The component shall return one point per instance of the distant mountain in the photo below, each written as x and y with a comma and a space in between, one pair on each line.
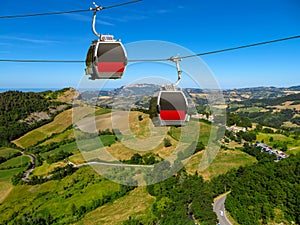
130, 96
295, 88
138, 95
136, 89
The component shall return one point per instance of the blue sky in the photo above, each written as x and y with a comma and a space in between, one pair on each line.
197, 25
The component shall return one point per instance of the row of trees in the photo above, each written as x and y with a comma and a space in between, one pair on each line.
146, 159
61, 155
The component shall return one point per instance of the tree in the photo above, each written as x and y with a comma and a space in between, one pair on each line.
200, 146
136, 159
132, 221
73, 209
167, 142
163, 205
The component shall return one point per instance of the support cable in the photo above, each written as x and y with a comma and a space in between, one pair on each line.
157, 60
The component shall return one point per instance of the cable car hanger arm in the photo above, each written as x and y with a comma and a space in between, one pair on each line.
96, 9
176, 60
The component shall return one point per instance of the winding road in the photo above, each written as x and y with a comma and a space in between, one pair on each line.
26, 174
219, 209
32, 160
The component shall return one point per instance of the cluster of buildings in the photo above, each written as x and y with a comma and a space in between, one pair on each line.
265, 148
236, 129
210, 118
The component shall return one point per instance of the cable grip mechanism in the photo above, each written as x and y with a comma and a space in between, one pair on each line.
176, 60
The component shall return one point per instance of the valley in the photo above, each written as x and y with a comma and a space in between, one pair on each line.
59, 191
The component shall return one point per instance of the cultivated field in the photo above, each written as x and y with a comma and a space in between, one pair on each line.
15, 162
45, 169
7, 152
137, 204
68, 134
61, 122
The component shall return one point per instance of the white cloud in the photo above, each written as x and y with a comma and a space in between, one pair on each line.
31, 40
162, 11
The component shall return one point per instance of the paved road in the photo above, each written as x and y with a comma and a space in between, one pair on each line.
110, 164
219, 209
26, 174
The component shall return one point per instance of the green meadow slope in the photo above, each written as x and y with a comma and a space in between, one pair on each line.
61, 189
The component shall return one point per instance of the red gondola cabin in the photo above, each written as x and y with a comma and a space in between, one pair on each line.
169, 108
106, 59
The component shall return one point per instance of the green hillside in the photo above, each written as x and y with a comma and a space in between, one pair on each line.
61, 189
21, 112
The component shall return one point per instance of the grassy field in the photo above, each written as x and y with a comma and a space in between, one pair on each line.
71, 147
204, 132
6, 175
137, 127
100, 111
137, 205
224, 161
107, 140
60, 123
15, 162
251, 109
233, 145
118, 151
77, 158
46, 168
57, 197
5, 189
289, 124
124, 121
68, 134
6, 152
